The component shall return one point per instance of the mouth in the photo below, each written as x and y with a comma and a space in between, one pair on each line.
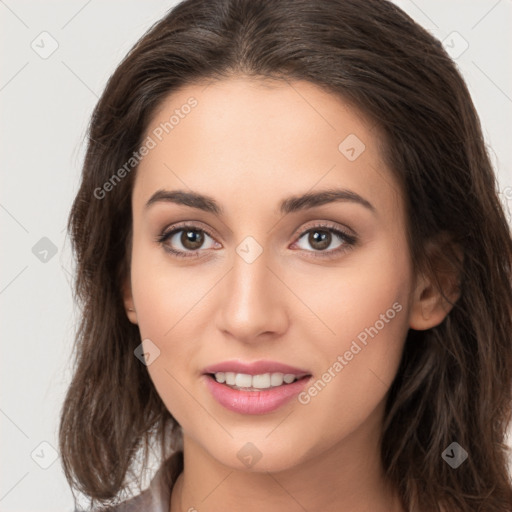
254, 388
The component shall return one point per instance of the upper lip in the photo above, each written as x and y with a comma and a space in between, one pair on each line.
255, 368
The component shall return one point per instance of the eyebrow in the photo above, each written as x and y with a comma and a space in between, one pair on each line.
288, 205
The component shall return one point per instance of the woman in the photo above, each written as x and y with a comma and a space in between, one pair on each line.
294, 270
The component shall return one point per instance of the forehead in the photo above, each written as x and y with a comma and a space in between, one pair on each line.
258, 140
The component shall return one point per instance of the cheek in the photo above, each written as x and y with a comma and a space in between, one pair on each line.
367, 311
164, 299
353, 296
163, 293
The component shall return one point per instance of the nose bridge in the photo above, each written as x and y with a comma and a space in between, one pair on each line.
251, 304
250, 274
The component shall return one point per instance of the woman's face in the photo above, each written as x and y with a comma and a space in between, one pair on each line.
322, 285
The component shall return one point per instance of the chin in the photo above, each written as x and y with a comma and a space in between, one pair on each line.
259, 455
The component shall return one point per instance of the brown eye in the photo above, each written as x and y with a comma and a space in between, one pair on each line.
192, 239
185, 240
319, 239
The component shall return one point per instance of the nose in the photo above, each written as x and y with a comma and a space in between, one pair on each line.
253, 301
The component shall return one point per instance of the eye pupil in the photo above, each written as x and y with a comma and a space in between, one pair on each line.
319, 242
192, 239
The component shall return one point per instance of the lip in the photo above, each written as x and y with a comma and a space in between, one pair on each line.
254, 368
254, 402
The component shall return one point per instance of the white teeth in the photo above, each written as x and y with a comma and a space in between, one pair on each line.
243, 380
261, 381
220, 377
276, 379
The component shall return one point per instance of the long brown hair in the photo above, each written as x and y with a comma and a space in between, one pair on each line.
454, 380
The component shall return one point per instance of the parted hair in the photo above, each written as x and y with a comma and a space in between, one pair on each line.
454, 380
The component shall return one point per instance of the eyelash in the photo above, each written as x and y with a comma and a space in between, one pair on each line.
349, 240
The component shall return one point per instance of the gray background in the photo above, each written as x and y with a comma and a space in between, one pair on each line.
45, 107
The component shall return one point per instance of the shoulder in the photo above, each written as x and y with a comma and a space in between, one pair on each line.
157, 497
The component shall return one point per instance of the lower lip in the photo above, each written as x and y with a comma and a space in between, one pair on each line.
254, 402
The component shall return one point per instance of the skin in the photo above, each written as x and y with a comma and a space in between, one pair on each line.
249, 144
